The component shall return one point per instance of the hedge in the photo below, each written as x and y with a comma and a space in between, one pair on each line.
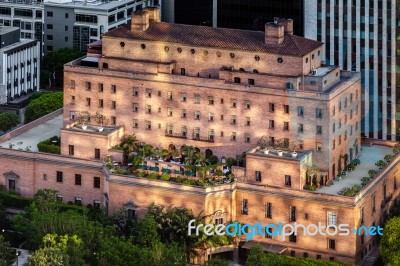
14, 201
42, 105
48, 146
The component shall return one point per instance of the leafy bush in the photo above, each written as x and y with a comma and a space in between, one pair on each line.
201, 183
15, 201
140, 174
153, 176
356, 161
380, 163
349, 193
8, 121
122, 172
230, 161
365, 178
43, 105
165, 177
372, 173
213, 159
310, 187
356, 188
179, 179
388, 157
189, 182
48, 146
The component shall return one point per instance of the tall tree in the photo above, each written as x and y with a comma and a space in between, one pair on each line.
390, 243
8, 121
7, 254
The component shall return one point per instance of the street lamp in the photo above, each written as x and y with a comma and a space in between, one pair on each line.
17, 253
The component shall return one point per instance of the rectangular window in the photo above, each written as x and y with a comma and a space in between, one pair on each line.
183, 97
233, 119
362, 215
286, 109
333, 144
135, 92
72, 84
251, 81
233, 136
135, 107
88, 85
113, 88
96, 182
135, 123
292, 238
148, 125
49, 13
159, 93
247, 104
87, 101
245, 207
272, 107
196, 98
288, 180
318, 146
71, 149
331, 218
49, 26
59, 177
197, 115
210, 117
233, 103
319, 130
286, 126
113, 104
78, 201
318, 113
236, 80
97, 154
96, 204
271, 124
300, 128
268, 210
148, 93
101, 87
113, 120
292, 215
300, 110
183, 113
331, 243
248, 121
183, 71
258, 176
169, 95
148, 110
247, 137
210, 100
78, 180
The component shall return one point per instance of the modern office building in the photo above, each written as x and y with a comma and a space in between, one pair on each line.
24, 14
236, 14
19, 65
362, 36
75, 24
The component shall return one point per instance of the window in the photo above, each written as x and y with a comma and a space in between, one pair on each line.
211, 135
236, 80
196, 98
210, 117
247, 104
72, 84
72, 115
305, 255
292, 214
59, 177
293, 253
96, 204
318, 130
49, 26
49, 13
197, 133
136, 92
222, 101
71, 149
233, 103
113, 88
318, 146
96, 182
286, 109
169, 111
210, 100
271, 124
362, 215
135, 107
268, 232
331, 218
292, 238
101, 87
183, 71
222, 117
340, 106
86, 18
78, 201
245, 207
300, 110
271, 107
250, 81
288, 181
247, 121
233, 119
318, 257
87, 101
113, 104
159, 109
268, 210
233, 136
169, 95
148, 125
197, 115
66, 15
148, 93
113, 120
97, 154
183, 97
59, 198
247, 137
331, 244
148, 110
258, 176
183, 113
318, 113
78, 180
300, 128
286, 126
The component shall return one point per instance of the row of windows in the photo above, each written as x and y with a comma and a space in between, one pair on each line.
78, 201
78, 179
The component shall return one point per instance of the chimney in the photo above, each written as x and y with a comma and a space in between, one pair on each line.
288, 25
154, 13
274, 33
140, 20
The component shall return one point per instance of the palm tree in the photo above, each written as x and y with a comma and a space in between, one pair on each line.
129, 145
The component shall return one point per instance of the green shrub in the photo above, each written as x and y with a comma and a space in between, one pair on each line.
122, 172
48, 146
213, 159
140, 174
179, 179
8, 121
14, 201
201, 183
388, 157
372, 173
189, 182
356, 188
165, 177
349, 193
356, 161
153, 176
311, 187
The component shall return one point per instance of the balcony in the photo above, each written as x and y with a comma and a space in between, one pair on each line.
176, 135
205, 139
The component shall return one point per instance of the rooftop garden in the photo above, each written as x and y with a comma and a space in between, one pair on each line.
187, 166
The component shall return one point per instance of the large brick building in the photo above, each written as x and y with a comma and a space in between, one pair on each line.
218, 89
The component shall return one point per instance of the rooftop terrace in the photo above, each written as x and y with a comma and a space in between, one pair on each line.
369, 156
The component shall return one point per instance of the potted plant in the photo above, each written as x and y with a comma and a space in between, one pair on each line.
380, 164
264, 144
293, 147
83, 118
280, 145
101, 120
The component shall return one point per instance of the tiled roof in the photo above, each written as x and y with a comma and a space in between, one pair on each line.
216, 37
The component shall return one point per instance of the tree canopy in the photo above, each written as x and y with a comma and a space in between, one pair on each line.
8, 121
390, 243
42, 105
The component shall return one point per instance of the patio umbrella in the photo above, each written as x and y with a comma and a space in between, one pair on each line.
166, 170
154, 169
143, 167
190, 173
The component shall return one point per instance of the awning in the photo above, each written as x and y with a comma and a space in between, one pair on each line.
178, 172
190, 173
166, 170
143, 166
154, 169
274, 248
